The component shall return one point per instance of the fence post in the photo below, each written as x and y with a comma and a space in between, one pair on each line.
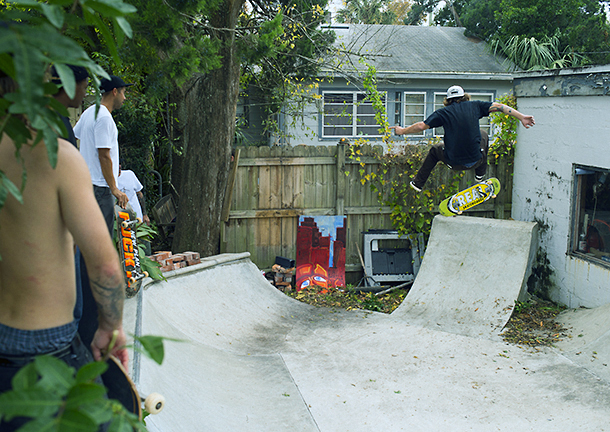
501, 198
340, 192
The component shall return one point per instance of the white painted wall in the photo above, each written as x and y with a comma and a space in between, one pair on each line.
569, 130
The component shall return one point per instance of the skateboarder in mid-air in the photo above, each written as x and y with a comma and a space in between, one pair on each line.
465, 145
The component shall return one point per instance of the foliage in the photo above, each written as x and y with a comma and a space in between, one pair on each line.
366, 12
530, 54
410, 211
31, 39
349, 298
280, 76
58, 398
505, 131
574, 31
533, 324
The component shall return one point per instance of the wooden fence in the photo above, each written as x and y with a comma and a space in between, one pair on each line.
270, 187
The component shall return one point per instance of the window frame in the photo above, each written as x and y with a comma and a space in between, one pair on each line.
404, 114
486, 126
580, 215
355, 116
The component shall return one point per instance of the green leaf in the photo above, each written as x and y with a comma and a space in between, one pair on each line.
92, 19
120, 424
75, 421
125, 26
34, 402
111, 8
54, 14
91, 371
84, 393
10, 187
67, 79
153, 347
55, 374
25, 378
99, 411
40, 424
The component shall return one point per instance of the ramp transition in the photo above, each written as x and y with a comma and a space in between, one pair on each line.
255, 360
473, 271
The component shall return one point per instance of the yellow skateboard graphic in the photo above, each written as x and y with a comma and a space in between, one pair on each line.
470, 197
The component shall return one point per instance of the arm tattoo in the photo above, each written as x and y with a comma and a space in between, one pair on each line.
109, 298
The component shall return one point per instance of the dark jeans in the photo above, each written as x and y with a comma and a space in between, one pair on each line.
105, 199
437, 154
75, 355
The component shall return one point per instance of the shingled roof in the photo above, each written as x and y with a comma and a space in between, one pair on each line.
397, 50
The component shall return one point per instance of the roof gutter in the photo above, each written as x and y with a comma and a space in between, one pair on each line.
433, 75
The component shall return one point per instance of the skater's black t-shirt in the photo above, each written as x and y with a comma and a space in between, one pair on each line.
462, 132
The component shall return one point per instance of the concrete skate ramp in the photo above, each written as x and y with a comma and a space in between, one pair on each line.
473, 271
588, 341
256, 360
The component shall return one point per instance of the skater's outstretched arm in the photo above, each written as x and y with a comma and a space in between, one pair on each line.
526, 120
414, 128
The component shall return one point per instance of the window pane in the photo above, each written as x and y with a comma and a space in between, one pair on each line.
590, 231
346, 110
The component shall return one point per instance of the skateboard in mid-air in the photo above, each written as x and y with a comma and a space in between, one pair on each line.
121, 388
127, 222
470, 197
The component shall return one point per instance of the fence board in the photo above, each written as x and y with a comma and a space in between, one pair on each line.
274, 186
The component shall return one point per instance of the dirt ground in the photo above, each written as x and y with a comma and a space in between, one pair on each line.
532, 323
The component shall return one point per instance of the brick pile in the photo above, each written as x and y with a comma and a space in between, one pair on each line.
170, 262
281, 277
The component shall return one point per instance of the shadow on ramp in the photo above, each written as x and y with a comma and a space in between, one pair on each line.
588, 343
473, 271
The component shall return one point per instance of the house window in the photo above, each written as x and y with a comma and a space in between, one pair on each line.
590, 230
348, 114
414, 109
483, 122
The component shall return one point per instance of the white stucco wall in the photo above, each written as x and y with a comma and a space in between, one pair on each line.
569, 130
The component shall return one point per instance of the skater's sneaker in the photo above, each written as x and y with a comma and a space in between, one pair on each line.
479, 178
418, 189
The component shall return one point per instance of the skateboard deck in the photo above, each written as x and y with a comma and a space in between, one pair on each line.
470, 197
121, 387
128, 248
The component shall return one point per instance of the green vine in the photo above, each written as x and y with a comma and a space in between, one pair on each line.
411, 212
505, 136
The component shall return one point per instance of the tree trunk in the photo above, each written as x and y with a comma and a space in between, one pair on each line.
210, 101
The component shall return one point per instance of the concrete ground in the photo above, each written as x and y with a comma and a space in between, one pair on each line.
253, 359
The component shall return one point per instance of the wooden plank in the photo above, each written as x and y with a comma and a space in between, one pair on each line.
340, 183
230, 186
294, 212
287, 161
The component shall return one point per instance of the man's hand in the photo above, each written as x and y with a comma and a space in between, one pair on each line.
146, 219
121, 197
101, 341
398, 130
528, 121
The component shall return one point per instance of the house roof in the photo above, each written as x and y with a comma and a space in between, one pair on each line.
399, 50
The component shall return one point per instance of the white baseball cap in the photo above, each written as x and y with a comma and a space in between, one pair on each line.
455, 91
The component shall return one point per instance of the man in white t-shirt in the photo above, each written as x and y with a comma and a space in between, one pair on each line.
128, 182
99, 146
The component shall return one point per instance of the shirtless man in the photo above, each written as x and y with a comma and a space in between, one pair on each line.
37, 278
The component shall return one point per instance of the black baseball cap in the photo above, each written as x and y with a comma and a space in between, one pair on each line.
112, 83
80, 73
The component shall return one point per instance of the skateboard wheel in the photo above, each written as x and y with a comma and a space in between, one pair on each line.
145, 274
132, 280
139, 220
460, 212
124, 224
154, 403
